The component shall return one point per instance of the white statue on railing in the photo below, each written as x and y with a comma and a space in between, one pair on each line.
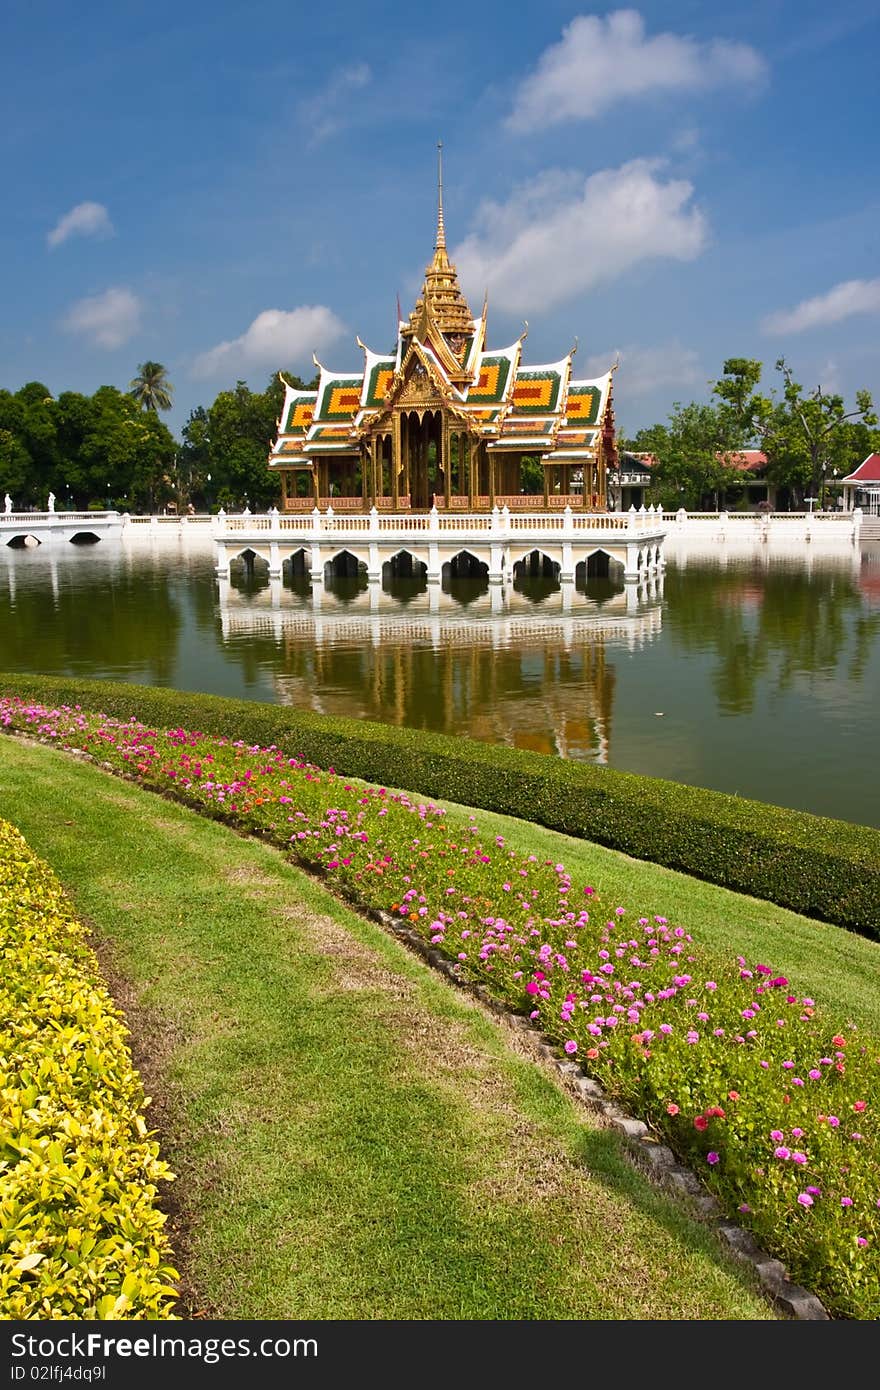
51, 503
7, 504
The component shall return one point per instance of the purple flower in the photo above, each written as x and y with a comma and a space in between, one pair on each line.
571, 1047
846, 1201
782, 1152
712, 1157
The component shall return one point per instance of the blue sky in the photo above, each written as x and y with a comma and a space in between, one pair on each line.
227, 187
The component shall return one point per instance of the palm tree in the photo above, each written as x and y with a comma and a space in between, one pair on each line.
151, 388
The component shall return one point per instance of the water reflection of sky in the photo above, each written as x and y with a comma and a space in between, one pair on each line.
757, 675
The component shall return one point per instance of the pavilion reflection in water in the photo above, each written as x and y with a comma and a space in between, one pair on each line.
500, 668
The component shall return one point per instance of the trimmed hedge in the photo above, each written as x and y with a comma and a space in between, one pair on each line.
81, 1235
823, 868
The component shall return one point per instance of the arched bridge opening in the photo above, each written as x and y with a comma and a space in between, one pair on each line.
464, 577
536, 575
599, 576
404, 575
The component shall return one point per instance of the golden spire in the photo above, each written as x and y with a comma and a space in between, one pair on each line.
440, 244
441, 311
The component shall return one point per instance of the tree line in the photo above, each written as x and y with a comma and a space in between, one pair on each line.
111, 449
809, 437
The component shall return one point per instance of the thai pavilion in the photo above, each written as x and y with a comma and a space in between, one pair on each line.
444, 421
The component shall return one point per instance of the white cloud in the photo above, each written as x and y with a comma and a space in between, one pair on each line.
86, 219
848, 298
276, 338
329, 110
108, 319
646, 369
598, 62
560, 235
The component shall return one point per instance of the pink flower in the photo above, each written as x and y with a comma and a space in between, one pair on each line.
712, 1157
782, 1152
571, 1047
777, 1136
805, 1199
700, 1122
846, 1201
672, 1109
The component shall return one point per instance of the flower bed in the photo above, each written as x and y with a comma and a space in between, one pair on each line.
81, 1236
826, 869
746, 1079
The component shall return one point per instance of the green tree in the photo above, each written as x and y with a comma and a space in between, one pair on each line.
151, 388
692, 454
814, 428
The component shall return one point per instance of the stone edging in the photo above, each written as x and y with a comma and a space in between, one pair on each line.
656, 1160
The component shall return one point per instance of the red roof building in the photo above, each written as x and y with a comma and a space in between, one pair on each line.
862, 487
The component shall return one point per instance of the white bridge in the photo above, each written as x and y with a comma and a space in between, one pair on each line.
322, 544
35, 528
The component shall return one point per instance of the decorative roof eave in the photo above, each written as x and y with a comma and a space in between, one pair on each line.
513, 354
351, 382
317, 447
569, 455
292, 461
521, 444
601, 385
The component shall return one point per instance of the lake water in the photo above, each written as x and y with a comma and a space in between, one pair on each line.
758, 676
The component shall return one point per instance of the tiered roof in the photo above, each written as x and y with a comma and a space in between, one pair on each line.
512, 406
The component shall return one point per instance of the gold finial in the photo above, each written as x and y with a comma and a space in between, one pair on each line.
441, 230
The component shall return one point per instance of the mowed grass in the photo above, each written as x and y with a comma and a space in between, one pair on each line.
353, 1139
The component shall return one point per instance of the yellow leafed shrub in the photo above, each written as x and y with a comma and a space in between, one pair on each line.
81, 1235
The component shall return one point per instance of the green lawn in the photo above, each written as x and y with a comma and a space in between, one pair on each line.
353, 1138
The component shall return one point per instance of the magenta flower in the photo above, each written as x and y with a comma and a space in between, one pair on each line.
777, 1136
712, 1157
571, 1047
782, 1152
805, 1199
846, 1201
